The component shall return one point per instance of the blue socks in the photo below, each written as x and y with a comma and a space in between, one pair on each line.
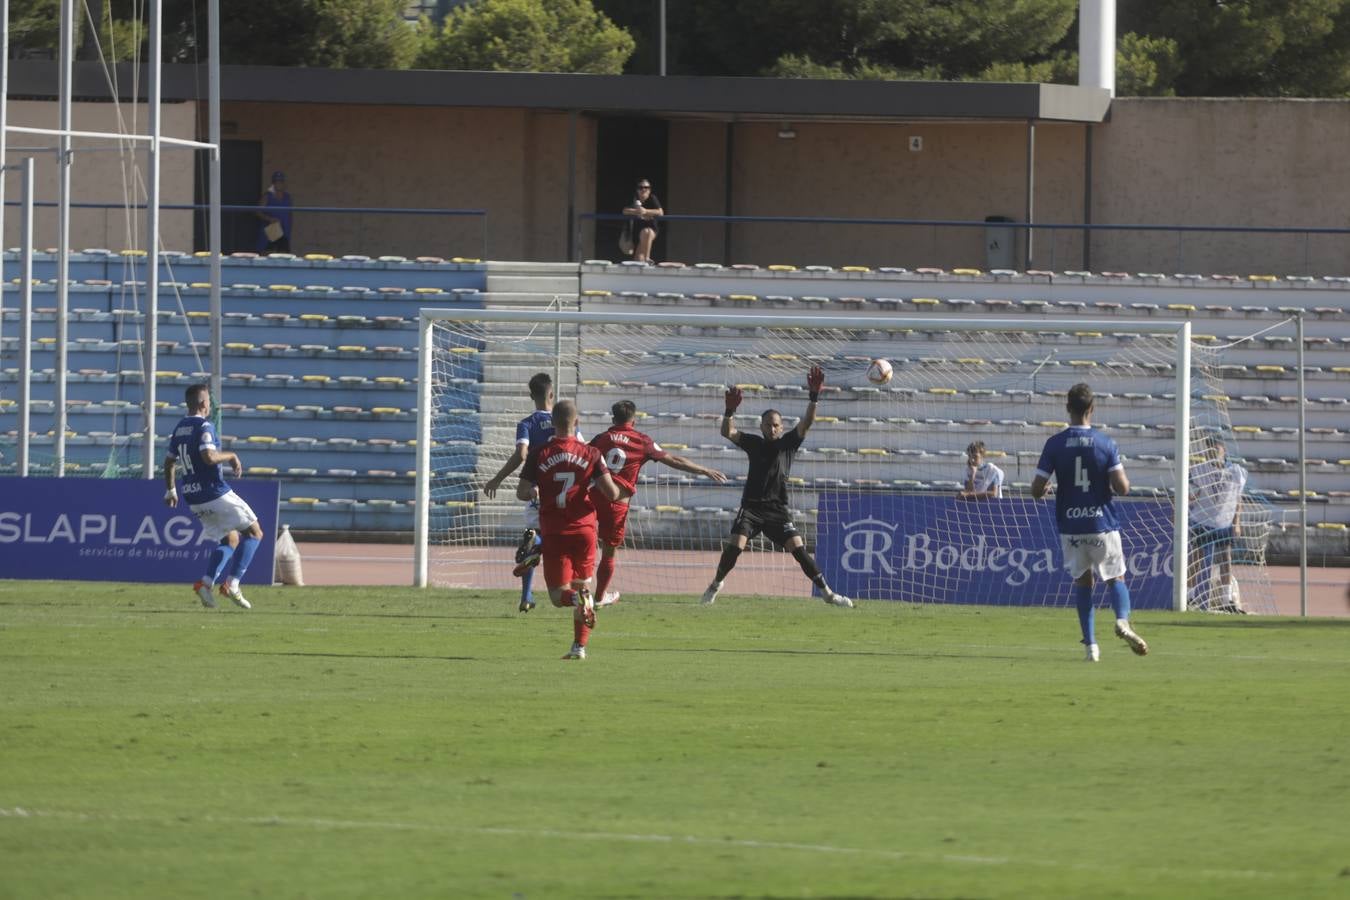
1119, 595
527, 579
215, 566
1082, 597
243, 556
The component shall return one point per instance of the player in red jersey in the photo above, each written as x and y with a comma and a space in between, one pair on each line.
563, 470
625, 450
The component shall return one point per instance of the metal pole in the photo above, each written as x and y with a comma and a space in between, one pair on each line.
25, 316
728, 189
663, 38
573, 246
151, 335
213, 216
421, 514
4, 138
1302, 476
1031, 189
1181, 526
1087, 199
64, 163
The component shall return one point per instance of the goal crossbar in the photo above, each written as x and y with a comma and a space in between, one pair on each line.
1179, 330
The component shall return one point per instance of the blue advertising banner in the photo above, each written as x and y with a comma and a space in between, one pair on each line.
116, 529
878, 546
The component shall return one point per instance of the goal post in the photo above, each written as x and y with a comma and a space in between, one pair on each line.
996, 378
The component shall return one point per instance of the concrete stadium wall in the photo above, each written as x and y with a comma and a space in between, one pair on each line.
511, 162
100, 175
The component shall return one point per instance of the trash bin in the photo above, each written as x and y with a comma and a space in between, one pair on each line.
1000, 243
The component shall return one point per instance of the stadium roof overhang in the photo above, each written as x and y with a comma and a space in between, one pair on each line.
675, 96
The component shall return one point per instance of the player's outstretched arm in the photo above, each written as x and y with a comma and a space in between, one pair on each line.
608, 487
524, 489
512, 463
815, 380
733, 402
227, 457
1120, 482
684, 465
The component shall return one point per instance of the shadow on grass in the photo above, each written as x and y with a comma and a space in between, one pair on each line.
915, 654
336, 614
350, 655
1281, 623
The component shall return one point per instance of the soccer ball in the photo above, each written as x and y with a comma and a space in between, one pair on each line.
879, 372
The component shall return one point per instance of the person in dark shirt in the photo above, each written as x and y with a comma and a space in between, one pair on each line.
644, 211
275, 213
764, 503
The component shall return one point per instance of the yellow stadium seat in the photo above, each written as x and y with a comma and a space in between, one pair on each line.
261, 439
316, 379
271, 407
390, 379
282, 288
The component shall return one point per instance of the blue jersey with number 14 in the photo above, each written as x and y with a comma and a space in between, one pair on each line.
1081, 460
202, 482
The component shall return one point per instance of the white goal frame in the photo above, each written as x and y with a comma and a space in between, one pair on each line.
1180, 330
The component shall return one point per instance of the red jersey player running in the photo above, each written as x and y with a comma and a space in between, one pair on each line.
624, 450
564, 469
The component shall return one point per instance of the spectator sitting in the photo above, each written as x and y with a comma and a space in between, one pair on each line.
984, 480
643, 212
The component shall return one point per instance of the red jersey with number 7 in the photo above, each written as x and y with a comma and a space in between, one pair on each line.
563, 469
624, 450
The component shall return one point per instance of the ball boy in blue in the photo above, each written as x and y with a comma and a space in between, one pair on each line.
1088, 472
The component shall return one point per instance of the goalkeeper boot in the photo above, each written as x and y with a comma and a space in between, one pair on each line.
526, 604
584, 611
838, 600
529, 562
1126, 634
231, 589
577, 652
710, 595
1094, 653
203, 591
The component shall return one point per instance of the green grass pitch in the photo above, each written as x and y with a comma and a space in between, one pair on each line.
378, 742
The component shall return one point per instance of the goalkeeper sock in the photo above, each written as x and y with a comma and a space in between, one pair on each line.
243, 555
808, 564
215, 566
728, 562
1082, 597
1119, 595
604, 574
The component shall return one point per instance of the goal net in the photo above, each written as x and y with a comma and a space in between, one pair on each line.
876, 489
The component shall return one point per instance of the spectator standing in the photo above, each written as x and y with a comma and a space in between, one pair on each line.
274, 234
641, 225
1216, 486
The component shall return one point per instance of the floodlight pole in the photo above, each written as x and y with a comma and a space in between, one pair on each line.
213, 223
1302, 475
151, 334
4, 138
25, 316
421, 514
64, 161
1181, 526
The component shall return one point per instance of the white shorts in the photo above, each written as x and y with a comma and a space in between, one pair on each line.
532, 515
224, 514
1099, 552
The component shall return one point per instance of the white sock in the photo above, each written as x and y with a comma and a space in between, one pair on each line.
1123, 623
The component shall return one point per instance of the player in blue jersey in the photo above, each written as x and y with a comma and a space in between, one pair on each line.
532, 432
1087, 469
223, 513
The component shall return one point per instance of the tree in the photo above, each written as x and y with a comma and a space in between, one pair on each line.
1297, 48
529, 36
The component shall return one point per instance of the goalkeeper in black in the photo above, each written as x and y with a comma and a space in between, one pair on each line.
764, 504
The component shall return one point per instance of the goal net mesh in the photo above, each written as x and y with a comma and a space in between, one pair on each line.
875, 489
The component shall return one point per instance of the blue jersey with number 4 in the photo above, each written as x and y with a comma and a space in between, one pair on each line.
202, 482
1081, 460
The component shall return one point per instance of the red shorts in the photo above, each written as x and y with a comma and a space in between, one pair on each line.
613, 519
568, 558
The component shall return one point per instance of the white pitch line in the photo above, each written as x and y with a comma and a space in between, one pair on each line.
18, 812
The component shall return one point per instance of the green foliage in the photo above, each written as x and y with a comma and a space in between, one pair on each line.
390, 742
529, 36
1147, 66
1297, 48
